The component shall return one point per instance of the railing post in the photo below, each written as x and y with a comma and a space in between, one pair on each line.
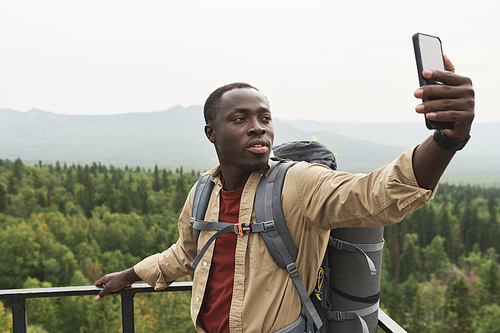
128, 313
19, 323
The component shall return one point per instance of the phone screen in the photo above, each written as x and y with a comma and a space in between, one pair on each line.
431, 53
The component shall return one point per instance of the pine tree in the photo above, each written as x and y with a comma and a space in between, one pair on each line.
68, 183
18, 169
41, 199
156, 180
164, 180
459, 307
89, 193
434, 256
58, 167
432, 296
11, 186
109, 194
490, 284
410, 259
3, 199
116, 177
124, 201
417, 316
143, 196
180, 193
80, 175
493, 229
94, 169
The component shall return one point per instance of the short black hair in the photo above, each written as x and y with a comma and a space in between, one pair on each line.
213, 101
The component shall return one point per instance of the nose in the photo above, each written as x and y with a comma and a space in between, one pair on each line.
256, 128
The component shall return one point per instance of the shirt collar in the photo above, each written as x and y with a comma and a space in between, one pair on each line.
216, 172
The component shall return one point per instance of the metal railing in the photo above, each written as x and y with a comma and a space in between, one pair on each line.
19, 296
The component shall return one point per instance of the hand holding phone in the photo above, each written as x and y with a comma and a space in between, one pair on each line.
429, 55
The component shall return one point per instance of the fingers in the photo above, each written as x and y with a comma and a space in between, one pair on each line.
109, 289
456, 110
102, 293
101, 281
446, 77
108, 282
441, 91
116, 281
448, 64
451, 101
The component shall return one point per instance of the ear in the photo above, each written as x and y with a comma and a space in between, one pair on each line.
210, 133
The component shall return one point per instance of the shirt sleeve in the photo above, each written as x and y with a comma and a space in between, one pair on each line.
332, 199
161, 269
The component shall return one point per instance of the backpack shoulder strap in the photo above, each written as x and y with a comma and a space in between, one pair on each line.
278, 241
268, 208
201, 197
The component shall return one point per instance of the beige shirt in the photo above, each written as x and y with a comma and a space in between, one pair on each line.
315, 199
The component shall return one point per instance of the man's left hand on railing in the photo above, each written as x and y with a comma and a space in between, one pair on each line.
116, 281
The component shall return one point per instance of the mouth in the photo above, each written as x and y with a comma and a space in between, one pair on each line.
258, 146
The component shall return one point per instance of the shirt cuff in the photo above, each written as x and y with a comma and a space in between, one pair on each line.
149, 271
403, 186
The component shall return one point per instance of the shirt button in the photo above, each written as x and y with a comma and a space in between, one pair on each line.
205, 263
197, 299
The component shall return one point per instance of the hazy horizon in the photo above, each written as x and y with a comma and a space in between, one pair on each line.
322, 60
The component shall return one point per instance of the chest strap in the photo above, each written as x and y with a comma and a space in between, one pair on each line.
225, 227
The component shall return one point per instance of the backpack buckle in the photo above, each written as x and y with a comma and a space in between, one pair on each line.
268, 225
242, 228
337, 315
337, 243
292, 270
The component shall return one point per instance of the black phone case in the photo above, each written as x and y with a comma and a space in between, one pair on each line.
423, 82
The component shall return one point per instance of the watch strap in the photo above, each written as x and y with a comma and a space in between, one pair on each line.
444, 142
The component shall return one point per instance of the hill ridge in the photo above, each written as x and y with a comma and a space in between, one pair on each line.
175, 137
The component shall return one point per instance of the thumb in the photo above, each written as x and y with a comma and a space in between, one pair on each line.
101, 294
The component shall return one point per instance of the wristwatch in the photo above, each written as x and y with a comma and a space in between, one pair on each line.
445, 143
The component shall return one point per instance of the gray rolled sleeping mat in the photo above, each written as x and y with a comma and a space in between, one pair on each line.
354, 286
354, 256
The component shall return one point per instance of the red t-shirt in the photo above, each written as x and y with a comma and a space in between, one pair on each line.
214, 313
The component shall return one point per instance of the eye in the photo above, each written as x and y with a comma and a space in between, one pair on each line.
267, 118
238, 119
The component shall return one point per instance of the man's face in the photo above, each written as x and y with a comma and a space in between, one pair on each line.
242, 131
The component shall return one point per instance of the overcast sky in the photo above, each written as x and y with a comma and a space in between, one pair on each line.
321, 60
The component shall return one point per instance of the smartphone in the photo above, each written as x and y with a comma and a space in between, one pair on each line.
429, 55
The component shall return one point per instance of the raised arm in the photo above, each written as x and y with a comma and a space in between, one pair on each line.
454, 103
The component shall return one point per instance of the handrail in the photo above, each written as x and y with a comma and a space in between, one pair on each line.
136, 288
19, 296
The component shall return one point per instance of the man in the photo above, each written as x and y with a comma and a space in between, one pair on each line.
238, 287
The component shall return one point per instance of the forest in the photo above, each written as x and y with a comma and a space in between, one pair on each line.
67, 225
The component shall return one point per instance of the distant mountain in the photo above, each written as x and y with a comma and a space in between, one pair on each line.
175, 137
480, 156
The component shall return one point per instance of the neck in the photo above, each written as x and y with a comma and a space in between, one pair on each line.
234, 180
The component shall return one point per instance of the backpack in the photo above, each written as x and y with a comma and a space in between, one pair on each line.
317, 315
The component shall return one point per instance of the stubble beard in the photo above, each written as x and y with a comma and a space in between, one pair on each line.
254, 167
